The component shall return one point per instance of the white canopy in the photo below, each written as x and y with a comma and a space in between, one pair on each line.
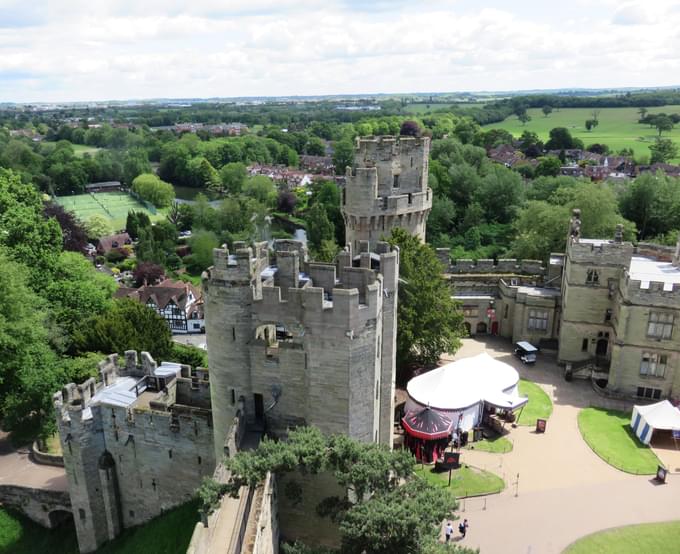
466, 382
662, 415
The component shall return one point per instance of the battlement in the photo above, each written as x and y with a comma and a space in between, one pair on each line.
509, 265
241, 266
658, 293
133, 386
600, 252
381, 148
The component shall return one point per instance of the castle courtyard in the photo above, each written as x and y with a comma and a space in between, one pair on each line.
564, 490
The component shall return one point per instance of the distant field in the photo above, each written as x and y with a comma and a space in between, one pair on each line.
81, 149
618, 127
422, 108
112, 205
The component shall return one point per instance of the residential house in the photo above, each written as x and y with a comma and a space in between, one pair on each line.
110, 242
179, 303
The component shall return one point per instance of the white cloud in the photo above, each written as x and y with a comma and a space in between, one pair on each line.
110, 49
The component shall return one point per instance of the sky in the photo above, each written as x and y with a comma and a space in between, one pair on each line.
94, 50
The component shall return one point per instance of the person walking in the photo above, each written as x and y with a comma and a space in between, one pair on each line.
463, 528
448, 531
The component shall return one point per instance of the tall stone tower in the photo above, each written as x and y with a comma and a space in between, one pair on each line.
387, 188
292, 342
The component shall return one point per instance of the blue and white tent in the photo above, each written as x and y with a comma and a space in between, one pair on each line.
662, 415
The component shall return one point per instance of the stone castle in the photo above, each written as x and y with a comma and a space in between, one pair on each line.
135, 443
606, 307
386, 188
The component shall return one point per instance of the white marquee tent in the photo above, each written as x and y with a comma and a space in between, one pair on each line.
461, 388
662, 415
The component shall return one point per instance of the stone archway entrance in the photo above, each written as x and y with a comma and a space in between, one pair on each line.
601, 347
59, 517
481, 328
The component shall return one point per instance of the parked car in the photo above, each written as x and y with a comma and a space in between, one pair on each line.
526, 352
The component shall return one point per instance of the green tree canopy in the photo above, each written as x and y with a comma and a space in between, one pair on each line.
152, 189
128, 325
429, 320
663, 150
343, 156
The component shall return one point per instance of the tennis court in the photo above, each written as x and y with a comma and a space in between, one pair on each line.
112, 205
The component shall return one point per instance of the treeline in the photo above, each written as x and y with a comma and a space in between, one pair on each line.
497, 111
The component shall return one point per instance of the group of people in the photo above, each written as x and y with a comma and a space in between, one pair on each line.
462, 529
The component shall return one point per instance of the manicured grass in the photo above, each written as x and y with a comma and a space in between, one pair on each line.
539, 405
609, 434
114, 206
465, 481
659, 538
618, 127
82, 149
423, 108
497, 445
167, 534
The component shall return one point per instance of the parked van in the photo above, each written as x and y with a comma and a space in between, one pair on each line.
526, 352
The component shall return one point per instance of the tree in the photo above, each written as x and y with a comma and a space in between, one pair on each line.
343, 156
524, 118
410, 128
393, 511
663, 123
147, 273
72, 231
560, 139
319, 227
429, 321
547, 110
591, 124
232, 176
262, 189
128, 325
28, 372
150, 188
663, 150
643, 112
202, 243
79, 292
136, 220
548, 167
286, 202
595, 115
315, 147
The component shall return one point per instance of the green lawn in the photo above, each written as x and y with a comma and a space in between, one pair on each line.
497, 445
114, 206
618, 127
609, 434
421, 108
539, 405
167, 534
82, 149
657, 538
465, 481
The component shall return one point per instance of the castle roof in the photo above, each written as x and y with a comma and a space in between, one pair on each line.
646, 270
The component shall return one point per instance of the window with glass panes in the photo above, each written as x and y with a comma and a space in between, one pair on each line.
653, 364
660, 325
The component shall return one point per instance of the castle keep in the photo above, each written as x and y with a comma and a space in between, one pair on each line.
292, 342
135, 443
386, 188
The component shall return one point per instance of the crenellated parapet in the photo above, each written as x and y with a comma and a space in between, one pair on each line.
651, 293
386, 188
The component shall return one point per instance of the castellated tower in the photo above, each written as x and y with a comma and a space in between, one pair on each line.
387, 188
135, 443
300, 343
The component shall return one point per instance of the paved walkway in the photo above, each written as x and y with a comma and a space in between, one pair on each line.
565, 490
16, 468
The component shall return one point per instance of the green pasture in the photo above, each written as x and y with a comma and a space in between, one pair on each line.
82, 149
112, 205
659, 538
609, 434
618, 127
169, 533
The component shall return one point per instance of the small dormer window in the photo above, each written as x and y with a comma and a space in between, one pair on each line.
592, 277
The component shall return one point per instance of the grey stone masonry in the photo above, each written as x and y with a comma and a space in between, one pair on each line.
136, 443
303, 342
387, 188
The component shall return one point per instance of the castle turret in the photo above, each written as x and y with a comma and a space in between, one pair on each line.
387, 188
